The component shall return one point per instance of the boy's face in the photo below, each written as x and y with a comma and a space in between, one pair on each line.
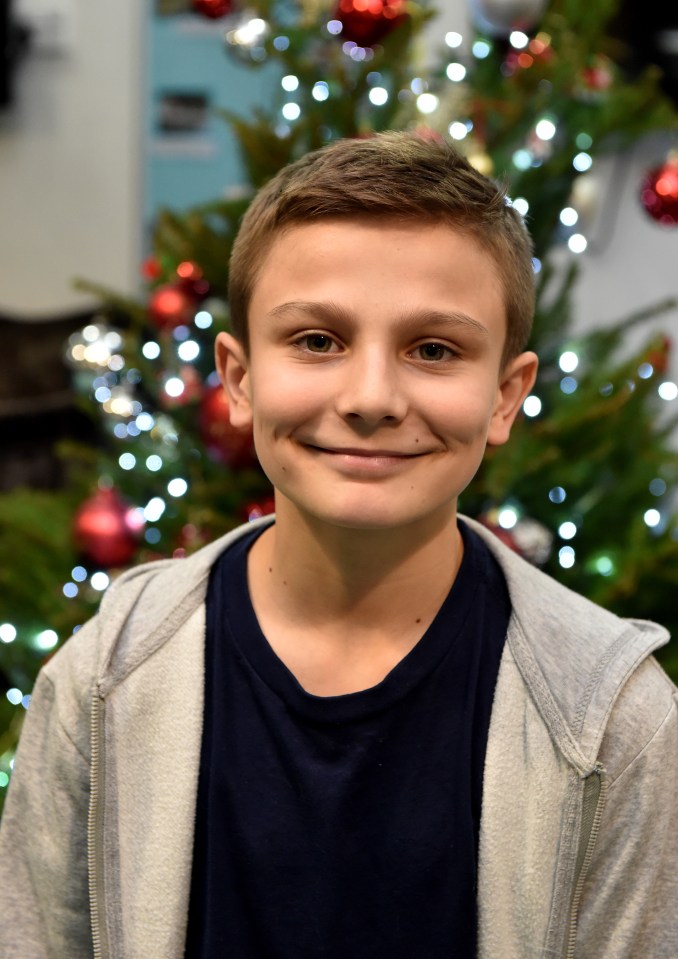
374, 378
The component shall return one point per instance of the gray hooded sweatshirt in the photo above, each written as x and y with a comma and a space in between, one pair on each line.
579, 831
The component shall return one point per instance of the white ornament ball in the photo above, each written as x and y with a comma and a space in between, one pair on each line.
499, 17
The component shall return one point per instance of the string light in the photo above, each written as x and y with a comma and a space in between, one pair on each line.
532, 406
378, 96
177, 487
453, 39
320, 91
507, 517
144, 422
46, 640
522, 159
291, 111
481, 49
99, 581
568, 361
455, 72
566, 557
154, 509
458, 130
557, 495
545, 129
7, 633
657, 487
604, 566
518, 39
577, 243
667, 391
652, 518
567, 530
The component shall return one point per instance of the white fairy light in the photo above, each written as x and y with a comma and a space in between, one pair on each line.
455, 72
545, 129
291, 111
568, 361
7, 633
427, 103
378, 96
582, 162
568, 216
507, 518
290, 83
577, 243
652, 518
458, 130
532, 406
99, 581
667, 391
320, 91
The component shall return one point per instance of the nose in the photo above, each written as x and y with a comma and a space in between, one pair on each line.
371, 392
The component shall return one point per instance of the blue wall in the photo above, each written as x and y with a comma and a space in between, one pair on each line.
186, 54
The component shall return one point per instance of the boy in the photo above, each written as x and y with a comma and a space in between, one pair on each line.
364, 728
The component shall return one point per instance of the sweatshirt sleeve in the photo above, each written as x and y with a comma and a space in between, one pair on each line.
44, 900
629, 905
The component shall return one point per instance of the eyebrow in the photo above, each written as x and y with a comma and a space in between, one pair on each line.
332, 312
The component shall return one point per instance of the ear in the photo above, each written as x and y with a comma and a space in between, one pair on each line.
232, 367
516, 380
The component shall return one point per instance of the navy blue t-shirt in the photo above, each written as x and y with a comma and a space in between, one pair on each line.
339, 826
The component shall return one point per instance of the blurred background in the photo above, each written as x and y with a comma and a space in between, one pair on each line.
132, 135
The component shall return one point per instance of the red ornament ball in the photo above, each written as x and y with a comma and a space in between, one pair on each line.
223, 442
366, 22
151, 268
171, 305
191, 279
106, 529
214, 9
659, 192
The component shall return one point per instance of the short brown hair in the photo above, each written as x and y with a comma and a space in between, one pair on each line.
393, 175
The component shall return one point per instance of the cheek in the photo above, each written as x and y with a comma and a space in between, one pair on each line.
464, 417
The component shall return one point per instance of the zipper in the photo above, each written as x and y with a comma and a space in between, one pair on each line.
95, 829
595, 788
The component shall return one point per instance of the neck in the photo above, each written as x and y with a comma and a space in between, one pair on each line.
317, 575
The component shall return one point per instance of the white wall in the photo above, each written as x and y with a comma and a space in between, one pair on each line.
70, 158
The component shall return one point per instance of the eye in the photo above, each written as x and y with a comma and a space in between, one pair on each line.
433, 352
316, 342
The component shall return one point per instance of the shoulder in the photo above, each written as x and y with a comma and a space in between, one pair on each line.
578, 660
139, 610
643, 722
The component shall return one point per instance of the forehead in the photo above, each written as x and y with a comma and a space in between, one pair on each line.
370, 265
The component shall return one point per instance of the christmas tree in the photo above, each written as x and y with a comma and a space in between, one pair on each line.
584, 488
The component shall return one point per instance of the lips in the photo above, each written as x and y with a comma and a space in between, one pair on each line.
367, 453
